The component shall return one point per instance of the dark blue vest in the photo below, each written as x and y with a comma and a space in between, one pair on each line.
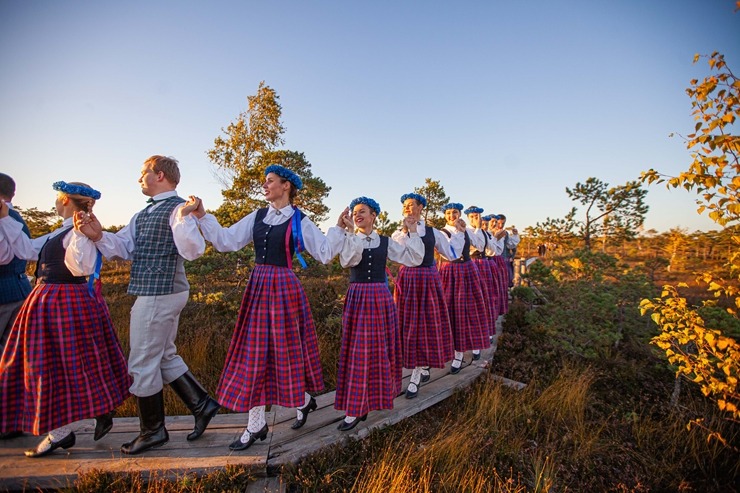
50, 268
372, 266
466, 248
14, 285
269, 241
429, 241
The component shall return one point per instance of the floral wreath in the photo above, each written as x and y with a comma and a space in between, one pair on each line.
286, 174
414, 196
72, 189
452, 205
367, 201
473, 210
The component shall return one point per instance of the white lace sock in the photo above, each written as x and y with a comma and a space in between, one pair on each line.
256, 419
299, 413
59, 434
476, 351
349, 419
424, 371
457, 362
415, 379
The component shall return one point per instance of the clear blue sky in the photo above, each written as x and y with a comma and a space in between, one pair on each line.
506, 103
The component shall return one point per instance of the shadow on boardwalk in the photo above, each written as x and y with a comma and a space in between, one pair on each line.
283, 445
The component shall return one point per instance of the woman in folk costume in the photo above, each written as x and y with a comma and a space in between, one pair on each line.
63, 361
495, 247
499, 260
274, 354
425, 324
479, 257
369, 375
463, 293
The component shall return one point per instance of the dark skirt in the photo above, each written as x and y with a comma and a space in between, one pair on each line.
426, 336
462, 287
274, 353
487, 280
62, 363
369, 375
503, 275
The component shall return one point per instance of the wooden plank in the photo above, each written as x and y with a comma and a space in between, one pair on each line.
177, 457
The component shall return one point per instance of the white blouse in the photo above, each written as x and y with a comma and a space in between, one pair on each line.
322, 248
410, 254
450, 248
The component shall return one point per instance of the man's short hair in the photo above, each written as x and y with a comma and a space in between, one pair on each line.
7, 186
167, 165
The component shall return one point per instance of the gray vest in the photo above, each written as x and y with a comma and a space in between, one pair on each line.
156, 260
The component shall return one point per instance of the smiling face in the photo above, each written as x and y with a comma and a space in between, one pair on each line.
364, 217
275, 188
452, 215
412, 208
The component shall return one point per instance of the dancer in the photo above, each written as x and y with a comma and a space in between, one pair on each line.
274, 355
369, 375
158, 240
423, 318
462, 287
63, 361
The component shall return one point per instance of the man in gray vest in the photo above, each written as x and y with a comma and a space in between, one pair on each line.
14, 284
158, 240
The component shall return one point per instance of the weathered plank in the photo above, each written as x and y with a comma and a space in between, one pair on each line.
178, 456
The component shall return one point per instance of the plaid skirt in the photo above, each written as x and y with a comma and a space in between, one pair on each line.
503, 270
369, 375
274, 353
497, 291
462, 287
62, 363
486, 277
426, 337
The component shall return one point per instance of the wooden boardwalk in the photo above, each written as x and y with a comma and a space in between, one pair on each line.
282, 446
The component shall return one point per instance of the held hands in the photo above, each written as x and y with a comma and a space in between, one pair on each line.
409, 224
345, 221
4, 209
460, 226
194, 206
87, 224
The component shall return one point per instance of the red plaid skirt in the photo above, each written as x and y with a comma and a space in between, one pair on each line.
426, 337
369, 375
62, 363
503, 271
486, 277
496, 287
462, 287
274, 353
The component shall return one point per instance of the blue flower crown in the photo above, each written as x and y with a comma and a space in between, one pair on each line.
367, 201
452, 205
72, 189
489, 217
414, 196
473, 210
286, 174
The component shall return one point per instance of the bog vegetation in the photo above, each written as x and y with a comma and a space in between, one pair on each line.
627, 340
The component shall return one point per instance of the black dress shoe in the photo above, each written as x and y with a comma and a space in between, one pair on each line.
46, 446
10, 434
253, 437
103, 425
311, 406
344, 426
476, 357
455, 370
410, 394
425, 376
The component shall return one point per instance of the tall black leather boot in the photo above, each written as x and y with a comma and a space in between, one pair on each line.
151, 418
195, 397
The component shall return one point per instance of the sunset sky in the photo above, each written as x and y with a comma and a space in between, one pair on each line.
506, 103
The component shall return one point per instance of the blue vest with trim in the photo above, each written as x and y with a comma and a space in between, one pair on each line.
269, 241
372, 266
50, 269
